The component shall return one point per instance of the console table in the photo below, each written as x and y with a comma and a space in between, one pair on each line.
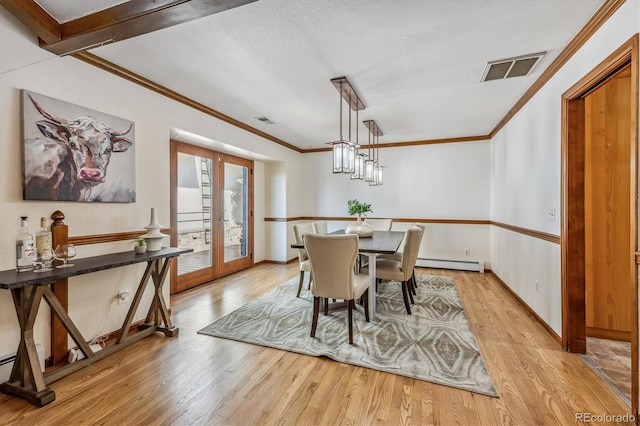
29, 288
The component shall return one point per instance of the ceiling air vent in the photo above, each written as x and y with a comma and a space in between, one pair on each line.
513, 67
264, 119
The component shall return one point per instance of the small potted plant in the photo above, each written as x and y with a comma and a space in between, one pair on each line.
139, 245
355, 207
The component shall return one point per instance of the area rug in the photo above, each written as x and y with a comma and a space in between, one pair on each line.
434, 344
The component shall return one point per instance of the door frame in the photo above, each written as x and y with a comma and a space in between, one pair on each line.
218, 268
573, 220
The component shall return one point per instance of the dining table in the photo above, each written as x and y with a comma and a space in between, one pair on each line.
381, 242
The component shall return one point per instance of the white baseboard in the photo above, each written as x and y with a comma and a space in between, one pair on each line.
462, 265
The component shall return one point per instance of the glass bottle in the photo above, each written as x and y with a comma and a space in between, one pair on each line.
25, 254
44, 249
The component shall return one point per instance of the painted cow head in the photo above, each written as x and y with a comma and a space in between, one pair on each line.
88, 141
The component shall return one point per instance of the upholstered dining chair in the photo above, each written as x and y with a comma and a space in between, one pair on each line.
387, 269
397, 256
321, 227
380, 224
332, 259
376, 225
299, 231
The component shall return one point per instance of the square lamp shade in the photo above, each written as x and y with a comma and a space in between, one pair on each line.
369, 167
343, 156
358, 170
377, 175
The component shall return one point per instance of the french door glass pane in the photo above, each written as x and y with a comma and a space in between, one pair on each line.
235, 211
195, 193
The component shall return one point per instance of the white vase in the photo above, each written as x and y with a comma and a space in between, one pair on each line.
153, 237
360, 228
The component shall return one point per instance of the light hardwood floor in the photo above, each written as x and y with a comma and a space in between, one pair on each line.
195, 379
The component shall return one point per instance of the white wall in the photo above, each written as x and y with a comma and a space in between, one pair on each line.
440, 181
23, 65
259, 229
526, 175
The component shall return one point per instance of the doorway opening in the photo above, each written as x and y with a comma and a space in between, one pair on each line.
211, 213
599, 207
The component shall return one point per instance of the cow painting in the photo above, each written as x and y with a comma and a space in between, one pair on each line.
69, 159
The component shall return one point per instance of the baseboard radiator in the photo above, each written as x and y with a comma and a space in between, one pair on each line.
6, 363
462, 265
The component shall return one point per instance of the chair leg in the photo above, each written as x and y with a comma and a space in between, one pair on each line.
365, 296
409, 290
326, 306
350, 314
300, 283
415, 282
405, 296
314, 321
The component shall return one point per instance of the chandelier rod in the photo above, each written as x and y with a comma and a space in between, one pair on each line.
340, 97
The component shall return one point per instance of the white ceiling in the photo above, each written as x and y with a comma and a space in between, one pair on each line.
416, 64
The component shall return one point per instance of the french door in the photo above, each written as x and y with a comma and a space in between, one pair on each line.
211, 212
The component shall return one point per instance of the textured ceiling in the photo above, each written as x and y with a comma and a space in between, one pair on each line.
416, 64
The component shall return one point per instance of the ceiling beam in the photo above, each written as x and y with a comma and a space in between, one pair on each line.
35, 18
123, 21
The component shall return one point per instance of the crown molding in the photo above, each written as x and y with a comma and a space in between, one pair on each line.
105, 65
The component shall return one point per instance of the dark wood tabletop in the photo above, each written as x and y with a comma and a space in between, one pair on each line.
12, 279
382, 242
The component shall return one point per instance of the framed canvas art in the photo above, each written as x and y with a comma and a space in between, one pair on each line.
72, 153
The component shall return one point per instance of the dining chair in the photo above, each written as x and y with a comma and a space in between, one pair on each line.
332, 259
380, 224
398, 257
299, 231
387, 269
376, 225
321, 227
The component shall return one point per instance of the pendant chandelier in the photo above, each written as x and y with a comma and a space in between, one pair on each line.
347, 156
345, 151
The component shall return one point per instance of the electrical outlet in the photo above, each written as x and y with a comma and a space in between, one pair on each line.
467, 252
537, 285
122, 296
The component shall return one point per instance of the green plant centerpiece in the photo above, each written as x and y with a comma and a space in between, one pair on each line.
361, 228
355, 207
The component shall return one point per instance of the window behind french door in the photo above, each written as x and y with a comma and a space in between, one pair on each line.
211, 212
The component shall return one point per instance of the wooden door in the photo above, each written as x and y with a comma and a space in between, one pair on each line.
235, 201
608, 279
211, 213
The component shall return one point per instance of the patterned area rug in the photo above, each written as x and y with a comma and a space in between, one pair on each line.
434, 344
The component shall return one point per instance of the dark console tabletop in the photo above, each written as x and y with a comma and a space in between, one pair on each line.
12, 279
